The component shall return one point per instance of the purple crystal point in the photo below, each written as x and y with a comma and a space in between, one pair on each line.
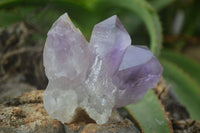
106, 73
138, 72
109, 40
65, 48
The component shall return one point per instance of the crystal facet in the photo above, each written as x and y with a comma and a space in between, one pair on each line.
138, 72
110, 39
98, 76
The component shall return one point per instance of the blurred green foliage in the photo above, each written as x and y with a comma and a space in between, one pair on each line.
144, 20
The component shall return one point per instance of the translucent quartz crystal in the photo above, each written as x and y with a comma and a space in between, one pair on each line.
110, 40
98, 76
138, 72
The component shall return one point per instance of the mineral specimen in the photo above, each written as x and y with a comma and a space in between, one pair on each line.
98, 76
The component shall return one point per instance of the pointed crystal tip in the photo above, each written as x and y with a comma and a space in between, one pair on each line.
111, 23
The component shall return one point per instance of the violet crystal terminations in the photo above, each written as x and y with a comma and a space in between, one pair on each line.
98, 76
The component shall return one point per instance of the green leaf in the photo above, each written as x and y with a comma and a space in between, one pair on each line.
149, 114
14, 3
187, 90
160, 4
145, 11
189, 66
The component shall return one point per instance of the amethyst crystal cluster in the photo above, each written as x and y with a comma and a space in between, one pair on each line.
98, 76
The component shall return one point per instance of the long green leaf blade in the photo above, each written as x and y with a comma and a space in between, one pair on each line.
149, 114
187, 65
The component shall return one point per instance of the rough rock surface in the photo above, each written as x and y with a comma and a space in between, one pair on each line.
26, 114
